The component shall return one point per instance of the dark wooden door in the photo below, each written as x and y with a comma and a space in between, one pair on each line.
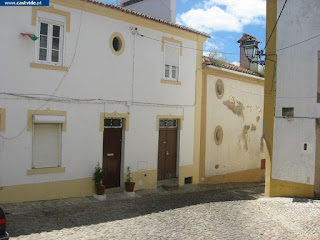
112, 138
167, 153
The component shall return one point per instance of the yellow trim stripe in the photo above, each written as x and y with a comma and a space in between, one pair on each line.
46, 112
129, 18
180, 118
125, 117
170, 82
166, 39
47, 190
50, 9
49, 67
233, 75
39, 171
2, 119
252, 175
279, 188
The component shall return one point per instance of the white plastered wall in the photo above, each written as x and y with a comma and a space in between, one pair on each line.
95, 73
296, 86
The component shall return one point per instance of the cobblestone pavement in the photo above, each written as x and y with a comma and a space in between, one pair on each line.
225, 211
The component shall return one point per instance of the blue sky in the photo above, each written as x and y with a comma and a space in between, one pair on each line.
224, 20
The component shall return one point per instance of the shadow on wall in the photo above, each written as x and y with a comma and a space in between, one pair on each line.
44, 216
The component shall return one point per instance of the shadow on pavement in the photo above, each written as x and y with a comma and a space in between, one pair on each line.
46, 217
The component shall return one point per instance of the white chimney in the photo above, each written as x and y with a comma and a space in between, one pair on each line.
163, 9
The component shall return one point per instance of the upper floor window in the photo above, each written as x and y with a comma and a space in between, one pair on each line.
171, 61
50, 44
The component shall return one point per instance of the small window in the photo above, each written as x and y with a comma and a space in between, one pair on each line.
171, 59
117, 43
112, 123
46, 145
219, 88
218, 135
50, 42
168, 123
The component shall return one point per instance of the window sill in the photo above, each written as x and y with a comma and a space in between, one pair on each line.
173, 82
37, 171
49, 67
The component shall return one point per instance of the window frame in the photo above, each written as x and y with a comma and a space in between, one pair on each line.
60, 146
51, 20
170, 78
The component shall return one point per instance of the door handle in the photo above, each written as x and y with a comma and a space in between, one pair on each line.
110, 154
167, 153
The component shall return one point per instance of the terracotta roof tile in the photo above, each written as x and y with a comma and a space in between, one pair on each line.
126, 10
217, 63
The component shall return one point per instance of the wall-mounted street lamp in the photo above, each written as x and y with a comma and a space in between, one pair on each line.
252, 52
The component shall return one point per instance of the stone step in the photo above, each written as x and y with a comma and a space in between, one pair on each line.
170, 186
113, 190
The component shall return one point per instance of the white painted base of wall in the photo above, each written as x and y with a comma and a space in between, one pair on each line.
130, 194
100, 197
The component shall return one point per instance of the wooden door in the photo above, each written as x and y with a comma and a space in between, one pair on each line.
112, 138
167, 153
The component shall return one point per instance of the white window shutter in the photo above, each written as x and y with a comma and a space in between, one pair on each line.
172, 55
46, 145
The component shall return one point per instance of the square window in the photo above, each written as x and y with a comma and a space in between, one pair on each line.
50, 44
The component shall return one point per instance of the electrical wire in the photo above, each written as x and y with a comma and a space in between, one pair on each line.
58, 86
274, 27
184, 47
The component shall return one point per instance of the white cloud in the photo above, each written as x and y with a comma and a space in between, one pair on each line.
236, 63
224, 15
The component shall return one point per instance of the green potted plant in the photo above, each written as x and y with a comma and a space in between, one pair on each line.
97, 177
129, 185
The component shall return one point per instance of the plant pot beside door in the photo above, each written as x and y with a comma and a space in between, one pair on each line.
97, 177
129, 184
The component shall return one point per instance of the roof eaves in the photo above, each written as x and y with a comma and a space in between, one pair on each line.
212, 62
116, 7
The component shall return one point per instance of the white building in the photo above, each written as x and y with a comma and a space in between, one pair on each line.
292, 105
99, 86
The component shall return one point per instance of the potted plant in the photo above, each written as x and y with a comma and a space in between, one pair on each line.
97, 177
129, 185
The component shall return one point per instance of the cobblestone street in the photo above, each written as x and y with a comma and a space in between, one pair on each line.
225, 211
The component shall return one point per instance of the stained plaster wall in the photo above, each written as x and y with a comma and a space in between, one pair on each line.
239, 112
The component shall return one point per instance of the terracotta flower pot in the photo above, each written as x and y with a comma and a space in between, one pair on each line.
100, 189
129, 186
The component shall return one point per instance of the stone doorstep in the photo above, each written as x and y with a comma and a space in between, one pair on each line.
171, 187
116, 195
113, 190
169, 184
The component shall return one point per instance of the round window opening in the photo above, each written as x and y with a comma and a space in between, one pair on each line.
219, 88
116, 44
218, 135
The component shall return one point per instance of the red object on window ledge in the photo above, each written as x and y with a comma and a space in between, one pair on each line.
263, 164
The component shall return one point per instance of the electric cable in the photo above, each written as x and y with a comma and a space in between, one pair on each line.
58, 86
274, 27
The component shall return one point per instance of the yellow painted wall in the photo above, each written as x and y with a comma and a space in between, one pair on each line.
269, 90
47, 190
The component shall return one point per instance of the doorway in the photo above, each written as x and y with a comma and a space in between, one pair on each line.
112, 145
167, 149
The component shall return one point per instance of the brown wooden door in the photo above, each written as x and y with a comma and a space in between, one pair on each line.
167, 153
112, 138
